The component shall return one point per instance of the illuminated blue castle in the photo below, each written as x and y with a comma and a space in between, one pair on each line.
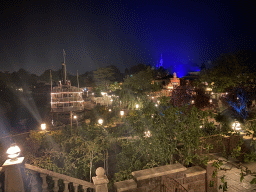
160, 63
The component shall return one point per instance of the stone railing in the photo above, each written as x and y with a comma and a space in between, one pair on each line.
172, 178
28, 178
67, 180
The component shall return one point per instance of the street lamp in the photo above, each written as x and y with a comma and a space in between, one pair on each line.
43, 126
192, 102
12, 168
100, 121
122, 113
147, 134
137, 106
75, 117
236, 126
13, 152
210, 101
110, 110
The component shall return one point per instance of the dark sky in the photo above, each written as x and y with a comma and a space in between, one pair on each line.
122, 33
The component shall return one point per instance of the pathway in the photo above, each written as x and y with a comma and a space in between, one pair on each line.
232, 177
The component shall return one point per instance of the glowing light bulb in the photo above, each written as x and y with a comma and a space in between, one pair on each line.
236, 126
100, 121
13, 152
43, 126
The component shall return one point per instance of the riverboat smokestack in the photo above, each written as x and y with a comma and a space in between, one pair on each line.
64, 74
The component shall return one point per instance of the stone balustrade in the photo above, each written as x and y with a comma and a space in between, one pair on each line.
174, 177
44, 180
55, 177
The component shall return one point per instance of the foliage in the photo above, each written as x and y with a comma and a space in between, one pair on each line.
182, 95
136, 87
238, 100
114, 86
103, 77
224, 122
161, 72
175, 135
224, 184
137, 68
68, 154
230, 70
210, 129
201, 99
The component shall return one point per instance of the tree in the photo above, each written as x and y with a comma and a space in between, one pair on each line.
201, 99
234, 73
136, 87
137, 68
231, 70
72, 155
174, 136
56, 76
87, 79
103, 77
182, 95
161, 72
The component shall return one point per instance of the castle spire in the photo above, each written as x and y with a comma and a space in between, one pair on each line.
160, 63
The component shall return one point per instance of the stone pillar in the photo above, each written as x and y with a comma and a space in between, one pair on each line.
13, 175
66, 186
56, 186
34, 183
101, 180
75, 187
44, 184
209, 178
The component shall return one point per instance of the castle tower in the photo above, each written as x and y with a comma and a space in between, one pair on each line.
160, 63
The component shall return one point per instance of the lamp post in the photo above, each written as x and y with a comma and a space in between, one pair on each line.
13, 152
137, 106
75, 117
122, 113
43, 126
12, 168
100, 121
71, 114
236, 126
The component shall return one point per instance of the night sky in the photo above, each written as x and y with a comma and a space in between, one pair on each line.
122, 33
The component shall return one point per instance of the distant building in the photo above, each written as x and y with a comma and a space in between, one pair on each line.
160, 63
174, 83
167, 86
